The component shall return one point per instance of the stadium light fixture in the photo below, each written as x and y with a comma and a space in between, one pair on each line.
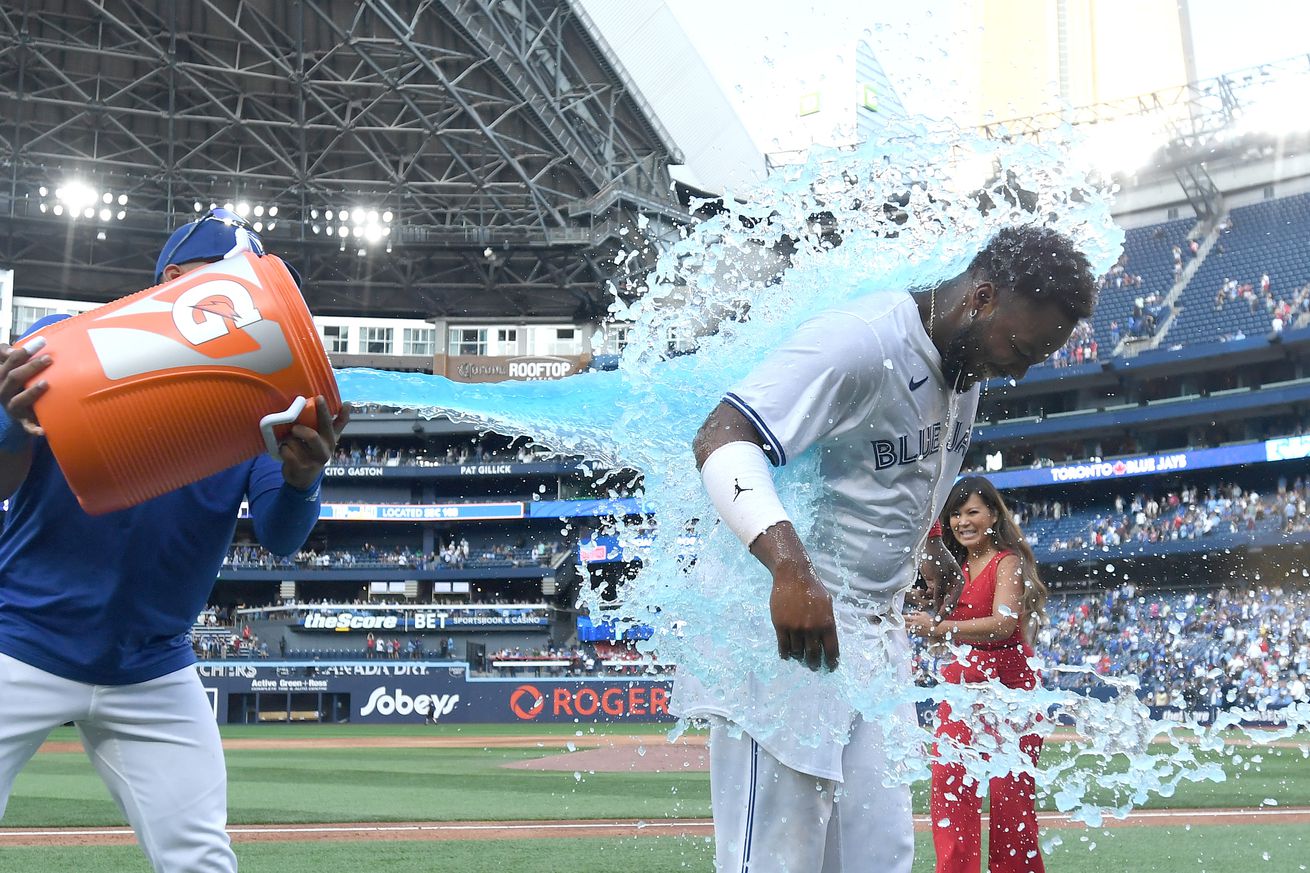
369, 225
78, 199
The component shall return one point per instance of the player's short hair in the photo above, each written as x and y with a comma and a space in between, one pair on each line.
1040, 264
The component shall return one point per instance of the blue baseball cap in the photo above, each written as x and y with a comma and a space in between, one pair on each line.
219, 233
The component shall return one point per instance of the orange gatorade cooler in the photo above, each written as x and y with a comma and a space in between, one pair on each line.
182, 380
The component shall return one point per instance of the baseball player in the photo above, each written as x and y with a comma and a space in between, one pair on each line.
885, 388
95, 610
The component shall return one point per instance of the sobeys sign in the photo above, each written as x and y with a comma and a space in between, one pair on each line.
499, 369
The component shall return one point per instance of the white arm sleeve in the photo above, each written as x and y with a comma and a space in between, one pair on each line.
739, 480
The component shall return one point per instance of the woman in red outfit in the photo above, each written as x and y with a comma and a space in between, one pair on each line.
996, 614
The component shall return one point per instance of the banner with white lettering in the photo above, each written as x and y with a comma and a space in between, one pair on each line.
417, 693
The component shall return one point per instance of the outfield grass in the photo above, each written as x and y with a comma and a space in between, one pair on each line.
1215, 849
387, 784
380, 784
375, 785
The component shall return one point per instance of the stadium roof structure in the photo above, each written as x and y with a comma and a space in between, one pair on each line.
477, 158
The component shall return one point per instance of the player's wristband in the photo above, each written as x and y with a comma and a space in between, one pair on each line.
13, 436
935, 532
739, 481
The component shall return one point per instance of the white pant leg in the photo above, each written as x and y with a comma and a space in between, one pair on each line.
768, 818
32, 703
157, 747
872, 826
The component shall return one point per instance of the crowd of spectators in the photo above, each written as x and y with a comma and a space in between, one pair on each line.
589, 659
1282, 311
1148, 310
1119, 277
414, 649
211, 638
1147, 313
1217, 649
1200, 651
472, 452
1185, 514
1080, 348
453, 554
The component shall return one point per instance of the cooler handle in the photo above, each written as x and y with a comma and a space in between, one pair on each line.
272, 420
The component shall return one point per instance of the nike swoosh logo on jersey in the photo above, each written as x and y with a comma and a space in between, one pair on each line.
916, 385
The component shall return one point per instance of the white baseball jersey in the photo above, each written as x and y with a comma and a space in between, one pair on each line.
863, 384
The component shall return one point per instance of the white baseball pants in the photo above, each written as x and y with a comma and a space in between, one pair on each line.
769, 818
155, 744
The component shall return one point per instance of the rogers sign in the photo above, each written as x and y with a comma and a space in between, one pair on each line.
528, 702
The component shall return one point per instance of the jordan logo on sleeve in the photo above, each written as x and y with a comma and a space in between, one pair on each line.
737, 490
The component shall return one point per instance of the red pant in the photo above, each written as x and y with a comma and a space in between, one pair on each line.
1012, 836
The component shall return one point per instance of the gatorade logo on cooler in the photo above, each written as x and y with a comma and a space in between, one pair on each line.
203, 318
212, 310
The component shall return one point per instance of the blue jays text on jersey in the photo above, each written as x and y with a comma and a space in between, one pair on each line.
912, 448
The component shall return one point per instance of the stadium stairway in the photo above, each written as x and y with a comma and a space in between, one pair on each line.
1175, 293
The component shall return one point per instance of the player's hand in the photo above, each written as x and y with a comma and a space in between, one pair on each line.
18, 366
920, 624
802, 617
306, 450
942, 575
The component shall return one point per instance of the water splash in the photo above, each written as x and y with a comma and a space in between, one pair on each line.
898, 213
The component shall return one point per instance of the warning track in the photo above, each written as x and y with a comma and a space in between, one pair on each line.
523, 830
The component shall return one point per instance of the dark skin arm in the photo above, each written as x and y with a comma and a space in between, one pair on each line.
942, 575
800, 606
306, 450
17, 367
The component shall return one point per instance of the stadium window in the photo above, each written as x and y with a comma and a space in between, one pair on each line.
26, 316
467, 341
566, 341
376, 341
681, 340
420, 341
337, 338
507, 341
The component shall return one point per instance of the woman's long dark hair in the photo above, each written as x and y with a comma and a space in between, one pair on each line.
1007, 536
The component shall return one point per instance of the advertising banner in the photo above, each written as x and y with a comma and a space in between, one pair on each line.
499, 368
418, 621
445, 471
420, 511
417, 693
473, 511
1142, 465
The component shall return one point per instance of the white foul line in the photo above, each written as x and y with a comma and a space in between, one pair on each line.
612, 825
